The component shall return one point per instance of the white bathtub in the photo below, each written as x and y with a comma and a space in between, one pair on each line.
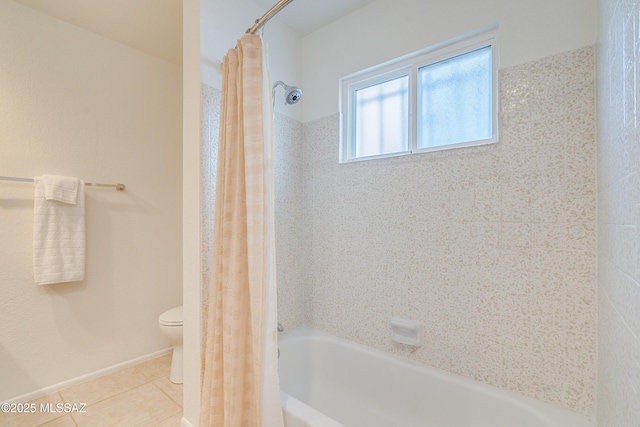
330, 382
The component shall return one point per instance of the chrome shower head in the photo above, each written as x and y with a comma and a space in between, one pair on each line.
292, 94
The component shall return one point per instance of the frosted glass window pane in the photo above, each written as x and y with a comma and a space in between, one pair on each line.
455, 100
382, 124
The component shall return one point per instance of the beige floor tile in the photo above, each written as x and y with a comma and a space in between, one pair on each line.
144, 406
173, 421
174, 391
65, 421
35, 418
155, 368
104, 387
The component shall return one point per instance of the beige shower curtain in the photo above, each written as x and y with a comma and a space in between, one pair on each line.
240, 384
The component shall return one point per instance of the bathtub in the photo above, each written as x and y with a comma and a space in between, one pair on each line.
330, 382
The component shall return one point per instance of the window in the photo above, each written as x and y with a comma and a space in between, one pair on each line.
382, 118
438, 98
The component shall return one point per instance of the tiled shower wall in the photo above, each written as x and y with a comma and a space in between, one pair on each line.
210, 107
491, 248
618, 214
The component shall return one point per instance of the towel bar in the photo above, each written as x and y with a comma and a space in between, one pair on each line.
119, 187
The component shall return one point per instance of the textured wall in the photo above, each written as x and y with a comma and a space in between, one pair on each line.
210, 100
74, 103
491, 249
288, 209
618, 220
289, 214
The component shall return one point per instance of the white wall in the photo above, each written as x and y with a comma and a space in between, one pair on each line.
191, 209
387, 29
618, 220
74, 103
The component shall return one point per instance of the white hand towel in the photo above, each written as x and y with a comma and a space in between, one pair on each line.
58, 237
61, 188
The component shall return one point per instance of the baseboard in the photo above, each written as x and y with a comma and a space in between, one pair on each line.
83, 378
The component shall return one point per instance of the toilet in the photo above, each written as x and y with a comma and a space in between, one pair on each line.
171, 326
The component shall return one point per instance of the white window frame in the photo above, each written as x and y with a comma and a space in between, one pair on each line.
408, 66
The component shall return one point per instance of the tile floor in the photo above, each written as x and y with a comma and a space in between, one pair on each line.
138, 396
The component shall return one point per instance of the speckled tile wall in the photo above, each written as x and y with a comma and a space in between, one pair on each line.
618, 214
210, 107
289, 216
492, 249
288, 183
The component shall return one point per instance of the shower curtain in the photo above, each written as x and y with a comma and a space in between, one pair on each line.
240, 385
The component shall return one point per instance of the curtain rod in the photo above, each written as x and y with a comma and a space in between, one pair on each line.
270, 14
119, 187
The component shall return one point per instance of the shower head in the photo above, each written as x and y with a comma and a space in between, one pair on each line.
292, 94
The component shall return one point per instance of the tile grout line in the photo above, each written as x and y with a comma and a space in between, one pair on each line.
166, 394
170, 398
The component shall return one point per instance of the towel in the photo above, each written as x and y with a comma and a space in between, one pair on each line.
58, 233
60, 188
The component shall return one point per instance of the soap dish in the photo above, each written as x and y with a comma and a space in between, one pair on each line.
406, 332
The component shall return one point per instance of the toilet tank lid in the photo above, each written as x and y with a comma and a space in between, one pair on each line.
172, 317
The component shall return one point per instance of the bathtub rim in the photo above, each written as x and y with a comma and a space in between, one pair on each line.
554, 415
